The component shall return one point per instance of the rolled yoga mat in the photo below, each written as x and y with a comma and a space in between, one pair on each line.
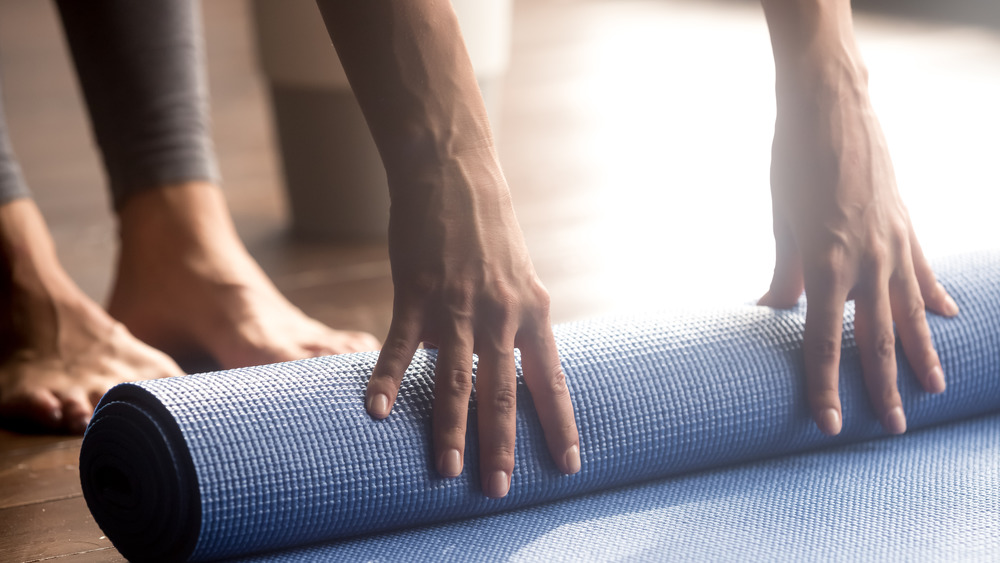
259, 459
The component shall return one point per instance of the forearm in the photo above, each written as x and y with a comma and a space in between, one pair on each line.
815, 51
408, 66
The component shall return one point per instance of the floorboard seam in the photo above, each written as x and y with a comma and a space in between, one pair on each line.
53, 499
69, 554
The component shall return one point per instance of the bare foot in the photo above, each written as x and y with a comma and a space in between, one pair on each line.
187, 284
62, 352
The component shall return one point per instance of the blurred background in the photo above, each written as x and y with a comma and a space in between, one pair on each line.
635, 135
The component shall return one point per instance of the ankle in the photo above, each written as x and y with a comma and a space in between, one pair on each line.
28, 254
194, 211
188, 222
40, 299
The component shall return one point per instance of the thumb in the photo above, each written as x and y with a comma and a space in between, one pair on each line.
787, 282
393, 359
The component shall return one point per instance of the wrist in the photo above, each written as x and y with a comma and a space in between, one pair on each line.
815, 52
425, 147
430, 171
824, 79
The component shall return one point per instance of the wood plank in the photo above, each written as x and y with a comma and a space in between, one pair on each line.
52, 529
12, 441
101, 555
44, 473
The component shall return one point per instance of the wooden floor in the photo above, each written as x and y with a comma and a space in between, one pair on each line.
635, 136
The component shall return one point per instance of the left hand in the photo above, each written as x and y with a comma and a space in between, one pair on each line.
465, 283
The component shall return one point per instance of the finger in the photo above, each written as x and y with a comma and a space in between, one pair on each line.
821, 348
496, 394
914, 334
452, 388
544, 376
393, 359
877, 347
935, 296
786, 282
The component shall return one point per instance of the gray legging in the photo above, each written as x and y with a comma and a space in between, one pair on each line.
141, 68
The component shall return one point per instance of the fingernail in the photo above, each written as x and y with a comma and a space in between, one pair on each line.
378, 405
55, 415
829, 422
951, 306
571, 461
498, 485
935, 380
450, 464
895, 421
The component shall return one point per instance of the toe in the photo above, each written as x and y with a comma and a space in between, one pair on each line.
96, 393
76, 411
39, 406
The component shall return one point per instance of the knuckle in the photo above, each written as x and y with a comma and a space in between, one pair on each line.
383, 379
422, 285
555, 384
503, 454
459, 297
884, 345
915, 309
568, 427
504, 402
542, 299
828, 267
899, 235
823, 350
391, 359
504, 302
451, 432
878, 253
397, 352
889, 398
454, 382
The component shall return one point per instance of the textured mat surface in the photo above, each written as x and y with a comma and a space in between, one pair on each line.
931, 495
263, 458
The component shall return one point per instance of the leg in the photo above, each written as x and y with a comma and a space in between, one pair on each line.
12, 185
185, 283
59, 351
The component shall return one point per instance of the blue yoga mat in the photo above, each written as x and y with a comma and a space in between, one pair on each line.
265, 458
930, 495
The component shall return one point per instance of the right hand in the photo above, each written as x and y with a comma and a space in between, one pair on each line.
842, 232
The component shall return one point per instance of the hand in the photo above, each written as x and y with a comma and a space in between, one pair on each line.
842, 232
464, 282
